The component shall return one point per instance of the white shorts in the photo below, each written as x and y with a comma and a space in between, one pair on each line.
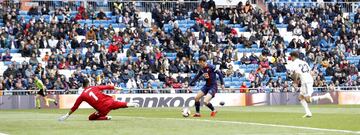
306, 89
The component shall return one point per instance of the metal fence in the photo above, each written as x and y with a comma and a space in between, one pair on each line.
108, 5
182, 90
345, 6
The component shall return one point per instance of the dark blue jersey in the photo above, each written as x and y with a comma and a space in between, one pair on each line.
209, 73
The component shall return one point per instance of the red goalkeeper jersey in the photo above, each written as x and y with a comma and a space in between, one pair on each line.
93, 96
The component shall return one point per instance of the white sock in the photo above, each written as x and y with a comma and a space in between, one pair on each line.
317, 98
305, 105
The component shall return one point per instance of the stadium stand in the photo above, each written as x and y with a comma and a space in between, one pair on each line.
65, 44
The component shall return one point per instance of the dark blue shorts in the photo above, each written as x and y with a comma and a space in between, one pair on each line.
212, 90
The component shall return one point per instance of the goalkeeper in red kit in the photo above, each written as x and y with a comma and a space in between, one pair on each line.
101, 102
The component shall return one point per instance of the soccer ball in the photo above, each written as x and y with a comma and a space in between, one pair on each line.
222, 103
186, 112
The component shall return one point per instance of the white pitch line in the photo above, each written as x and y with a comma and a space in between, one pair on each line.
255, 124
3, 134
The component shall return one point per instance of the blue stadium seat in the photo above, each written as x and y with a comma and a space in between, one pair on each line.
328, 77
236, 79
14, 50
196, 54
98, 72
122, 85
323, 70
243, 66
170, 54
60, 17
134, 58
191, 21
252, 65
6, 63
182, 25
281, 25
234, 87
108, 14
248, 70
23, 12
241, 50
188, 25
227, 79
354, 77
237, 26
254, 46
154, 85
242, 29
280, 74
182, 22
127, 46
183, 29
171, 58
227, 85
238, 84
239, 46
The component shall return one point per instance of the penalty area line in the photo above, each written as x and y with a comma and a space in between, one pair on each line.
254, 124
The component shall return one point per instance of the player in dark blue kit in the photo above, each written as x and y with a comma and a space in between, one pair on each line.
209, 90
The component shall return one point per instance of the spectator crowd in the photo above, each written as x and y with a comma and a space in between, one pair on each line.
136, 57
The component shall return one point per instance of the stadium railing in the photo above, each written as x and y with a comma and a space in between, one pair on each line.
183, 90
107, 5
345, 6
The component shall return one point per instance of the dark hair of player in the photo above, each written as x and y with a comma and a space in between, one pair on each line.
86, 83
203, 58
294, 54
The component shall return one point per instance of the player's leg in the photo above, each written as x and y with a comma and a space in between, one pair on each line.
116, 105
44, 95
317, 98
207, 100
199, 95
47, 99
131, 104
210, 95
99, 116
304, 99
39, 94
322, 97
37, 101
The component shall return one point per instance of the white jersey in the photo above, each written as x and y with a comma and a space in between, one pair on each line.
302, 68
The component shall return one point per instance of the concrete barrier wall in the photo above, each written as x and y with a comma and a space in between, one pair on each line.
22, 102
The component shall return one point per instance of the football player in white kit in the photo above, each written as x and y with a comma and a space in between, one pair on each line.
299, 69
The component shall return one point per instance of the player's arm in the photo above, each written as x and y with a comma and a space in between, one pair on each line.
107, 87
72, 110
196, 78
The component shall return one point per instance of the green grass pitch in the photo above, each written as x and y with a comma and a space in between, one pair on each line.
327, 120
